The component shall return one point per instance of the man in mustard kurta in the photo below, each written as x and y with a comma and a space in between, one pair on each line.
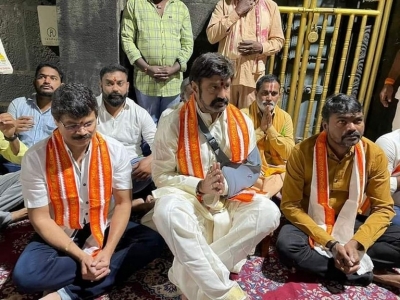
274, 132
248, 31
336, 232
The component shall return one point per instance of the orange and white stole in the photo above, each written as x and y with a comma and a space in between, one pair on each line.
63, 190
189, 156
342, 227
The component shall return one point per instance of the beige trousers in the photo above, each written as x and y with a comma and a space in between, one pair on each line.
242, 96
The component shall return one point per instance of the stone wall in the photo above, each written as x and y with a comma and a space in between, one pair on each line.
380, 119
19, 32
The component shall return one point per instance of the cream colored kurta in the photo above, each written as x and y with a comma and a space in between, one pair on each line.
202, 263
224, 19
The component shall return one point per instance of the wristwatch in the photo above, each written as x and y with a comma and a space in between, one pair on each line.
12, 138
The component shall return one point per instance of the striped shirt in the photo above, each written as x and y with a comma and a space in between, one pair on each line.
160, 41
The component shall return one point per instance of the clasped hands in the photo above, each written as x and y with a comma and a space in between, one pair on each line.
95, 268
161, 73
214, 182
346, 257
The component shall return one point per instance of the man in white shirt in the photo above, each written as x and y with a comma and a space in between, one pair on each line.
204, 210
130, 124
77, 188
390, 144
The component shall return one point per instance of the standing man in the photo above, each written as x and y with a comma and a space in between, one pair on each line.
34, 119
12, 149
207, 215
274, 132
248, 31
77, 188
386, 94
124, 120
336, 232
157, 37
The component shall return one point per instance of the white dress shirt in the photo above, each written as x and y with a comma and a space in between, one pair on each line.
34, 183
390, 144
128, 127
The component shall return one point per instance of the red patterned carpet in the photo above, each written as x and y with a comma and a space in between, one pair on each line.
262, 279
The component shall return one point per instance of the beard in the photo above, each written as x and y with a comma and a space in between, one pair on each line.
43, 93
266, 105
114, 99
350, 139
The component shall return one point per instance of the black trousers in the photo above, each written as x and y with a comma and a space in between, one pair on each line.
294, 251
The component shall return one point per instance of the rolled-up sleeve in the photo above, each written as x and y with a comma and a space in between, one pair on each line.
128, 34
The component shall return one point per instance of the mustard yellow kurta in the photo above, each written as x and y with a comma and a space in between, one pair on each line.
297, 186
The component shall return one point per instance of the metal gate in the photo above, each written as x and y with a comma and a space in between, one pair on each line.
327, 50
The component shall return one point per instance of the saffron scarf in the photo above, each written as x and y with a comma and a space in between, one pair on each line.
279, 124
63, 190
342, 227
319, 209
189, 155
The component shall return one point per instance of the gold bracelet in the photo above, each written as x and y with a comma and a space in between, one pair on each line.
66, 248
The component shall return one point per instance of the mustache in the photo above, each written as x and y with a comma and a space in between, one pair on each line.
352, 134
219, 100
114, 96
82, 137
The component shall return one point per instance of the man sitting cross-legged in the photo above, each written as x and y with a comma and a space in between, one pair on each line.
204, 211
130, 124
336, 232
77, 188
12, 149
274, 132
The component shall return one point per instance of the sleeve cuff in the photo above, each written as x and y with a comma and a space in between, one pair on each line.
233, 17
393, 185
271, 132
363, 240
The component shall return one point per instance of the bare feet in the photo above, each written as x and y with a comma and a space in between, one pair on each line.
387, 277
19, 215
51, 296
141, 206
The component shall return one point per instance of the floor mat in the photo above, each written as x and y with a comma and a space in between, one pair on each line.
260, 278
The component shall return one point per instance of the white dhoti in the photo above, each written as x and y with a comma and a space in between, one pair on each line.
202, 266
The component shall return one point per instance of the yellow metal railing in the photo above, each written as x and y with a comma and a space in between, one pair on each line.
337, 57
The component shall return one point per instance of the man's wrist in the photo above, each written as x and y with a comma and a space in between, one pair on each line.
199, 193
331, 244
389, 81
11, 138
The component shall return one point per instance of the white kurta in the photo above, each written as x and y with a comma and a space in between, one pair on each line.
390, 144
202, 264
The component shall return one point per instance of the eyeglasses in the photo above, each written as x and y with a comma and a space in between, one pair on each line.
76, 127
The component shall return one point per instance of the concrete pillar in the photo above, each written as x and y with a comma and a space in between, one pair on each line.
89, 38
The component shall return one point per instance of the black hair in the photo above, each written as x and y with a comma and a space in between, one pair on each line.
340, 104
50, 65
74, 100
267, 78
184, 84
113, 68
210, 64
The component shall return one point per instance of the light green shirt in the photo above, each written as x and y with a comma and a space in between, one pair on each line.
6, 152
160, 41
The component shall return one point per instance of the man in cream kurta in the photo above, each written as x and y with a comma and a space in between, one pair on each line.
248, 31
197, 211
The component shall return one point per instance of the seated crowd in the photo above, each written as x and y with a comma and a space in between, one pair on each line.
201, 180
